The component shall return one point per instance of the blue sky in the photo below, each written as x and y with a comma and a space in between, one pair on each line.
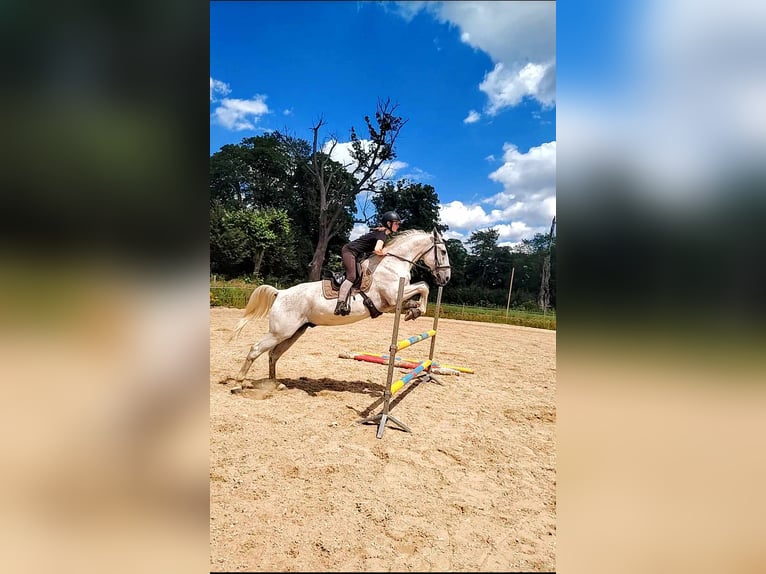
476, 81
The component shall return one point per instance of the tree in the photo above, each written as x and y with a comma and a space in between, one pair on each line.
261, 172
337, 188
458, 256
241, 239
229, 177
416, 204
488, 265
544, 300
529, 259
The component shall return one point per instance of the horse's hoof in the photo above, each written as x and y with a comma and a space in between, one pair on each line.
412, 314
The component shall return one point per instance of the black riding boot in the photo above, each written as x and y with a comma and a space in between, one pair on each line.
342, 307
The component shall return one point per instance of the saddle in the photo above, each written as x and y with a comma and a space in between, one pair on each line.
331, 282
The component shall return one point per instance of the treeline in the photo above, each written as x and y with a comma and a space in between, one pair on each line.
281, 209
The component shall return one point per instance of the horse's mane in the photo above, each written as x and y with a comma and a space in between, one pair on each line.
402, 236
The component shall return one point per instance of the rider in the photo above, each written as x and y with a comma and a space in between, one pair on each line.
352, 251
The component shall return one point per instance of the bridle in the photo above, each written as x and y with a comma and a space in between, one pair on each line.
437, 266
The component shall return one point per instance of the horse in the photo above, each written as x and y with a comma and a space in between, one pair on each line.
291, 311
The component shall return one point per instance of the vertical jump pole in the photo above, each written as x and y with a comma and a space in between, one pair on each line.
436, 321
384, 416
429, 376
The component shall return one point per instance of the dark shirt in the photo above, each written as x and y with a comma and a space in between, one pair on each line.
366, 243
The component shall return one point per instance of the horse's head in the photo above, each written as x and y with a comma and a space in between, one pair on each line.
437, 259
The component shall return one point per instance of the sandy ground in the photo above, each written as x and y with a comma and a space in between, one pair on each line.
297, 485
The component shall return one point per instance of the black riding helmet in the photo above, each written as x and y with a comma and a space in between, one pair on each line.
388, 219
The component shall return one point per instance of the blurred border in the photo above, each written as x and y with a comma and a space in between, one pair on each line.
104, 279
660, 194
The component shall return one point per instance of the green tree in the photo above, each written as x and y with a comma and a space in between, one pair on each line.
417, 204
529, 260
488, 264
229, 178
247, 239
271, 171
458, 257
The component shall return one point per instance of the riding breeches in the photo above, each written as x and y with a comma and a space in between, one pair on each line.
349, 264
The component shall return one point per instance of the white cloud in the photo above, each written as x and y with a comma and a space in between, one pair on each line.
342, 154
506, 88
449, 234
513, 232
519, 37
358, 230
288, 112
529, 184
408, 10
524, 207
416, 175
463, 220
217, 87
460, 216
235, 114
523, 173
473, 117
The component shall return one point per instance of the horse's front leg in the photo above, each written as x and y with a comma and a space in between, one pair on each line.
419, 288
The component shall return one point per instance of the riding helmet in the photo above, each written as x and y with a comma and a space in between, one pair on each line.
389, 217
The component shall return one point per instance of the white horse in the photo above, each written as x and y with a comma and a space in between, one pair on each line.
292, 311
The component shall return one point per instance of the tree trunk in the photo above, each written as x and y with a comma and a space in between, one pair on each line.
315, 268
257, 260
544, 299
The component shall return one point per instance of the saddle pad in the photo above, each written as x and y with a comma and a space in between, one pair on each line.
330, 293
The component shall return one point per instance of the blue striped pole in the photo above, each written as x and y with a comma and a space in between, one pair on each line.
408, 377
404, 343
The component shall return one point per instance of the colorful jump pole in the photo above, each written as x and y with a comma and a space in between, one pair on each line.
423, 369
384, 416
408, 377
433, 364
404, 343
436, 322
401, 362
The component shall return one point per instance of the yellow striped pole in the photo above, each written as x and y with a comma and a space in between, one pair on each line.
404, 343
408, 377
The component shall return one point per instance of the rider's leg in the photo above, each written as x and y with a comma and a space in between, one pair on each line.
349, 263
343, 293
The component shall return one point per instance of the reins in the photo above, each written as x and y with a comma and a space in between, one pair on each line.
423, 266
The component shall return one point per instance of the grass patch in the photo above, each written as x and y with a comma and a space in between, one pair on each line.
236, 293
230, 296
495, 315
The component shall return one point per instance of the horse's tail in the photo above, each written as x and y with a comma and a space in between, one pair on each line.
258, 306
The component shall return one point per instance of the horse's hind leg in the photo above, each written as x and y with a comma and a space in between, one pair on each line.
265, 344
279, 350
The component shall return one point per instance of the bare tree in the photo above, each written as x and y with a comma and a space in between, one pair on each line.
544, 299
337, 192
